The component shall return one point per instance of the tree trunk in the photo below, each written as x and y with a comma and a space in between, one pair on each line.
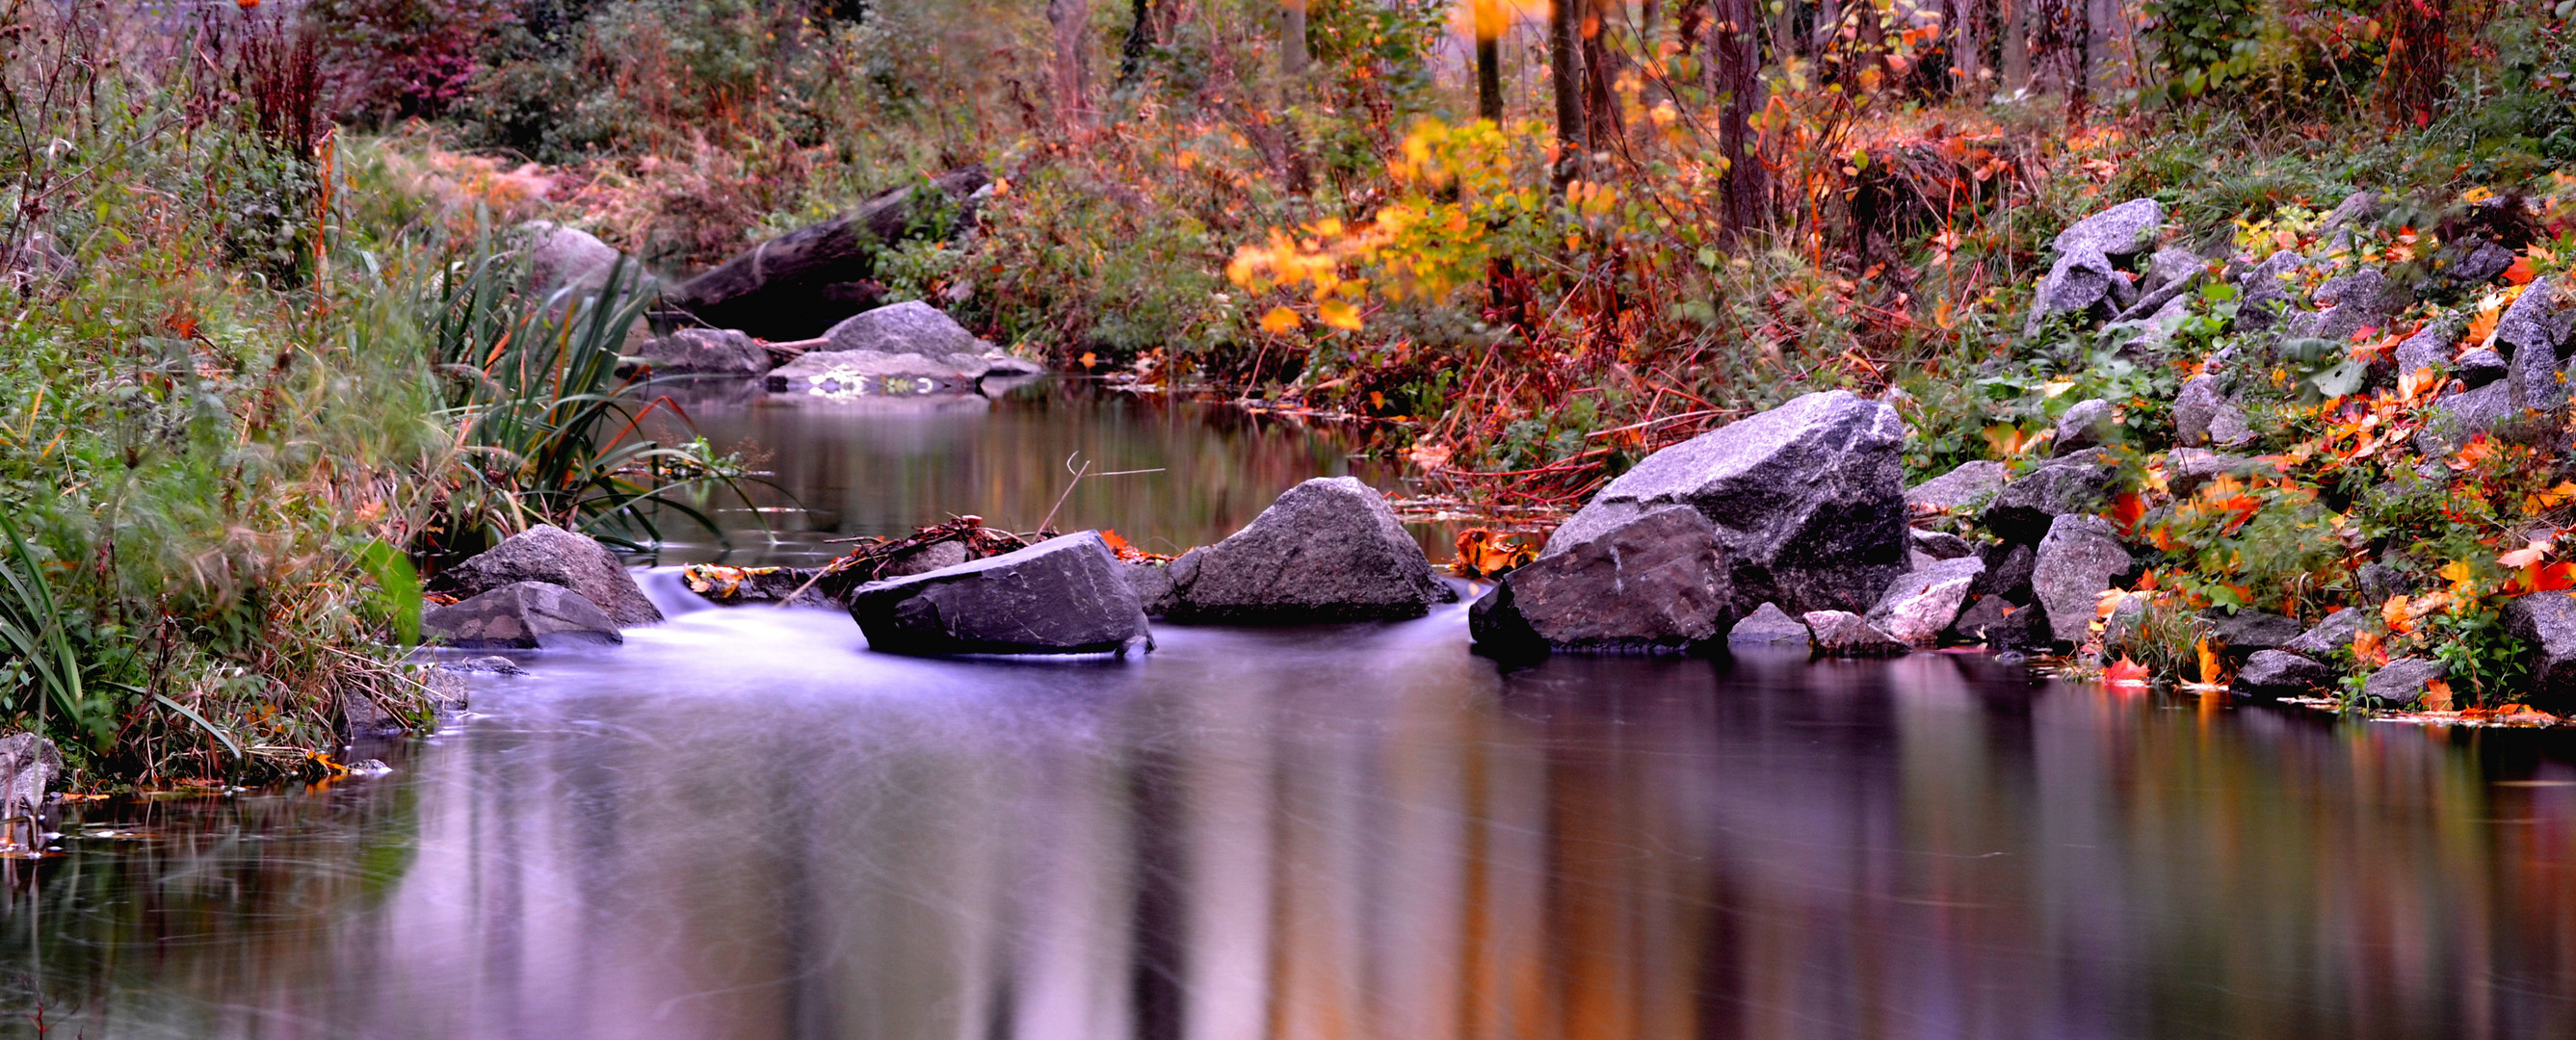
798, 284
1967, 56
1292, 39
1565, 76
1140, 39
1069, 19
2016, 45
1489, 78
1601, 115
1735, 49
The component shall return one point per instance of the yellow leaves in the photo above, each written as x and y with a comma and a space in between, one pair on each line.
2462, 577
1281, 321
1338, 314
2210, 668
2544, 501
2009, 441
2055, 389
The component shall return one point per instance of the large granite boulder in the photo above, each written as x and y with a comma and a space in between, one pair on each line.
2084, 279
2121, 231
1919, 606
1064, 595
562, 258
1807, 499
2086, 424
2546, 624
551, 554
913, 346
2541, 320
2079, 559
1328, 550
1656, 584
522, 615
798, 284
2077, 483
2079, 284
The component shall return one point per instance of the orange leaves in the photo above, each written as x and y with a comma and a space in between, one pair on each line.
2125, 674
2211, 671
2127, 509
2544, 501
2009, 441
2370, 648
1483, 552
1127, 552
1281, 321
2471, 454
2520, 273
2436, 696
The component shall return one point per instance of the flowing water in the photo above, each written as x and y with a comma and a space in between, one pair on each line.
744, 824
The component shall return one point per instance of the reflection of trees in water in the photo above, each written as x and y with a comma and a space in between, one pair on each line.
885, 470
1354, 833
213, 907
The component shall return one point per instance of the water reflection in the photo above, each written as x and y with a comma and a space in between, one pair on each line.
742, 825
885, 465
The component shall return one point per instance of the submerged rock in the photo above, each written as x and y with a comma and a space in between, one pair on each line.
2079, 560
523, 615
547, 553
1918, 607
1844, 634
1328, 550
2279, 673
29, 764
1656, 584
1064, 595
1769, 626
706, 352
1807, 499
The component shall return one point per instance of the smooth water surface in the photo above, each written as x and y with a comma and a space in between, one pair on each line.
744, 824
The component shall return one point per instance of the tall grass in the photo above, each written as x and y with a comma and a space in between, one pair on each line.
548, 432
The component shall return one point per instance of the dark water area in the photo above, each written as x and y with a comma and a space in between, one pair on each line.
743, 824
1194, 472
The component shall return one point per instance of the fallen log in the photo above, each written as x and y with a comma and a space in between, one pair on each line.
796, 285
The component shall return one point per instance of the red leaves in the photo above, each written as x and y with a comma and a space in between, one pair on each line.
2125, 674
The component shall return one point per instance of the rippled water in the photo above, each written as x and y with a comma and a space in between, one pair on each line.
743, 824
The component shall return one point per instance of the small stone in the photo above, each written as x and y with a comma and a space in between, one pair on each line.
2086, 424
2169, 274
2546, 624
2080, 558
2077, 483
2400, 683
2204, 415
2430, 347
2077, 283
2347, 304
2121, 231
2264, 292
2332, 635
524, 615
1972, 484
2282, 673
1768, 626
550, 554
2247, 631
1844, 634
1940, 545
706, 352
1921, 605
2480, 367
1978, 619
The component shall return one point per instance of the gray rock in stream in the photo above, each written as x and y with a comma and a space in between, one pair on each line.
551, 554
1328, 550
2079, 559
525, 615
1918, 607
706, 352
1656, 584
2400, 683
2077, 483
1064, 595
2280, 673
1769, 626
1807, 499
1844, 634
2332, 635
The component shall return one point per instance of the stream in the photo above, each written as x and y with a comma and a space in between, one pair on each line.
742, 824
